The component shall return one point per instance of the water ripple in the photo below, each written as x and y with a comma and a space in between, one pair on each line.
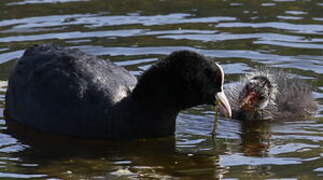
238, 160
72, 35
42, 21
289, 17
97, 20
43, 2
296, 12
296, 28
5, 57
290, 147
21, 176
294, 45
129, 51
261, 37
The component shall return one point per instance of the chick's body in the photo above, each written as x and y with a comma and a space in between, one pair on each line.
284, 97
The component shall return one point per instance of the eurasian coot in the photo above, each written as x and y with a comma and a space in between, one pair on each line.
64, 91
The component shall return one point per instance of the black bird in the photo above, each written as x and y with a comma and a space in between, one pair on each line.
64, 91
271, 94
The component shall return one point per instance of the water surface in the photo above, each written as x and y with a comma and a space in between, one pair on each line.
240, 35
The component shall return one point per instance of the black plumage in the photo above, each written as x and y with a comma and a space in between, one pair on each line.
64, 91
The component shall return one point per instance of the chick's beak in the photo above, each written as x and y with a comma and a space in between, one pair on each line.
224, 105
247, 101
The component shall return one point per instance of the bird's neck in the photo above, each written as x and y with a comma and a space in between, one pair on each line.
142, 119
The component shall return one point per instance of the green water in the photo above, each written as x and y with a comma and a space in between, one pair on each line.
241, 35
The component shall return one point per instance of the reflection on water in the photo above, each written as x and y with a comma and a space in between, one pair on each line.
240, 35
41, 2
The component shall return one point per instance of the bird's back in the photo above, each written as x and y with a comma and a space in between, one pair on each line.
294, 98
51, 85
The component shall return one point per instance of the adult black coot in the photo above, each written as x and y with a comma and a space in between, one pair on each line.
271, 94
64, 91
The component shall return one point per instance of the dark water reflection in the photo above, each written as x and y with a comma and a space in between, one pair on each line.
241, 35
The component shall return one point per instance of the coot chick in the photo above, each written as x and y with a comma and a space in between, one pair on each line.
64, 91
271, 94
